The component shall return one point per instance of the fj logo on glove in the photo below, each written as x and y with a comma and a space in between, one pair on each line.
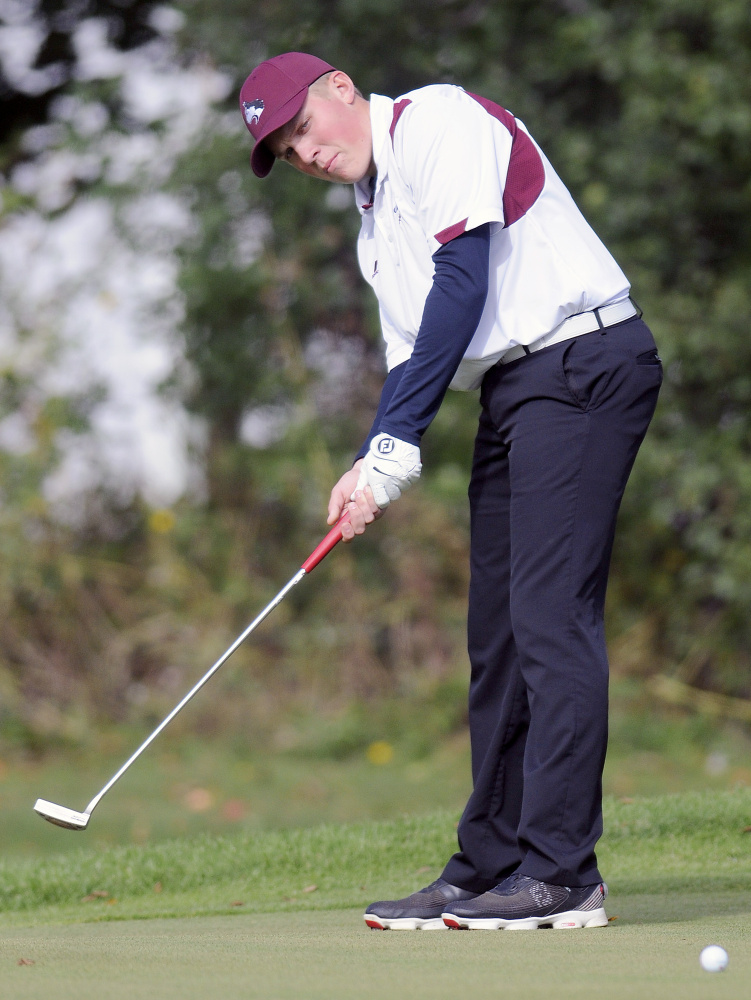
390, 467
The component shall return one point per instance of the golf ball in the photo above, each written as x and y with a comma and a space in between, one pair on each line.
713, 958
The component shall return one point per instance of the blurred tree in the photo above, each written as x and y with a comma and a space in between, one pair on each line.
645, 111
39, 51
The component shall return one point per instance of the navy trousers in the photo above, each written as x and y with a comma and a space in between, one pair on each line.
559, 431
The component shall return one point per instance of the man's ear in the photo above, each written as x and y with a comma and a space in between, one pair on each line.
342, 86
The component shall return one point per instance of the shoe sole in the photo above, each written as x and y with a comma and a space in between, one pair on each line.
377, 923
570, 920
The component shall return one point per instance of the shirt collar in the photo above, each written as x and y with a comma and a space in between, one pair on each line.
381, 114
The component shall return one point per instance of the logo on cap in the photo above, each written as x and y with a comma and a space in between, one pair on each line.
252, 111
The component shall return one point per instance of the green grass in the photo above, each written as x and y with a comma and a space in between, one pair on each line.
331, 956
186, 785
682, 844
278, 915
204, 788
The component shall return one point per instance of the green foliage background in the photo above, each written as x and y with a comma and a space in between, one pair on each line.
645, 111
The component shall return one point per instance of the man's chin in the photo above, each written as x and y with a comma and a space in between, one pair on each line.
347, 174
351, 177
338, 178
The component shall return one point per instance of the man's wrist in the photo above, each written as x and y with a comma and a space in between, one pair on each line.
390, 467
398, 433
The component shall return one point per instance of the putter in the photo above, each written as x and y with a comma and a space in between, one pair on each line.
69, 819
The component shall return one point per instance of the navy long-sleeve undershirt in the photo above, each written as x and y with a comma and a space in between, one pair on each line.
414, 390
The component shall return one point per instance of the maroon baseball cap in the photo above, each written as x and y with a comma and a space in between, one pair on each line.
272, 95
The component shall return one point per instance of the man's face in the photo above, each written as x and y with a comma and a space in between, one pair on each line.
330, 138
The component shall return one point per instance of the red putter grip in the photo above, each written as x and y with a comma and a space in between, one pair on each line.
324, 547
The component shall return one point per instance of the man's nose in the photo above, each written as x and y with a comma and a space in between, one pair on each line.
307, 151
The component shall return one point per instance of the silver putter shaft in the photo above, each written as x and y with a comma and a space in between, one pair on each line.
72, 820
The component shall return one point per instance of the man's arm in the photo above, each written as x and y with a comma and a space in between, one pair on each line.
390, 386
414, 390
452, 312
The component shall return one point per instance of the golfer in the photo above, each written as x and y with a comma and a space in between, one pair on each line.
488, 277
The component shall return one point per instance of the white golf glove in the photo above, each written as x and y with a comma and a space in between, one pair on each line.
389, 468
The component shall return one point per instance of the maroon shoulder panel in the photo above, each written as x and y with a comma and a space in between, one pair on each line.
526, 172
399, 108
449, 234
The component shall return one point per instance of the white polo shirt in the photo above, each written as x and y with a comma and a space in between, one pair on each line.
448, 162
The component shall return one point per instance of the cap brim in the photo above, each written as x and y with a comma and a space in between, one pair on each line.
262, 159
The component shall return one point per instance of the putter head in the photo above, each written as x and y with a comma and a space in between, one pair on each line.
60, 816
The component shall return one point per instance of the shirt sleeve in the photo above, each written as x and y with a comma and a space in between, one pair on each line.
390, 386
452, 311
455, 157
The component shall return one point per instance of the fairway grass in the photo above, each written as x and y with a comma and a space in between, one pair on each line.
279, 915
689, 843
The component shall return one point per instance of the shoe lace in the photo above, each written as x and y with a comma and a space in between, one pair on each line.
511, 883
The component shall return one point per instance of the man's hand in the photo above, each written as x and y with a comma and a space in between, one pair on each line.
363, 509
389, 468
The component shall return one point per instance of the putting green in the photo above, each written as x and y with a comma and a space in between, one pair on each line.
651, 951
